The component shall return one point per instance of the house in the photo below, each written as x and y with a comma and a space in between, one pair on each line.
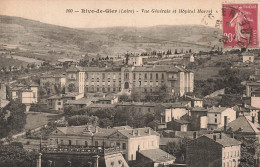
170, 111
80, 103
157, 125
247, 110
252, 88
189, 58
195, 102
154, 158
213, 150
55, 103
243, 126
53, 79
98, 106
26, 94
127, 139
220, 116
109, 99
141, 107
198, 118
248, 58
178, 125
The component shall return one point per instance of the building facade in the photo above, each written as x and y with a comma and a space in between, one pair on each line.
144, 79
216, 150
58, 80
220, 116
127, 139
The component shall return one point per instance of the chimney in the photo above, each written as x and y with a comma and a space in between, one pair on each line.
225, 123
215, 137
253, 119
138, 132
133, 132
232, 135
220, 135
149, 131
194, 135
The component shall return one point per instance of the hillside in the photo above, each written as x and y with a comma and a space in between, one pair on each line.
50, 42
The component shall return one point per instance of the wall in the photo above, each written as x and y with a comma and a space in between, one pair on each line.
255, 102
176, 113
203, 152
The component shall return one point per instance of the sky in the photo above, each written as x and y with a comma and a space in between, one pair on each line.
54, 12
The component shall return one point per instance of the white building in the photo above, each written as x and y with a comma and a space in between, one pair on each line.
220, 116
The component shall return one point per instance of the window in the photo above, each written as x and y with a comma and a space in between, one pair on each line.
140, 83
149, 109
124, 146
59, 103
103, 75
86, 143
216, 120
61, 142
96, 143
156, 76
151, 75
145, 76
104, 144
77, 142
69, 142
134, 76
118, 144
162, 76
132, 157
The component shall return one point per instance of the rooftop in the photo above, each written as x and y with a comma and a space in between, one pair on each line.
217, 109
138, 132
224, 140
80, 101
243, 124
159, 68
157, 155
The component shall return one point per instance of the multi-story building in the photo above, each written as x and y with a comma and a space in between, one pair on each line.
127, 139
3, 100
26, 94
144, 79
213, 150
220, 116
59, 80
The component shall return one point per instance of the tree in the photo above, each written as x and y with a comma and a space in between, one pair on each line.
71, 87
77, 120
15, 156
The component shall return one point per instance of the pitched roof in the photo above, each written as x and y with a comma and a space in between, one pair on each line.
102, 69
99, 105
115, 160
55, 97
243, 124
217, 109
162, 68
142, 132
180, 121
157, 155
225, 141
202, 109
86, 130
80, 101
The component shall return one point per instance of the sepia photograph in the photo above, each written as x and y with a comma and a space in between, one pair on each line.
133, 83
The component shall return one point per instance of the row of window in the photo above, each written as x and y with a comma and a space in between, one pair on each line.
86, 143
231, 164
231, 154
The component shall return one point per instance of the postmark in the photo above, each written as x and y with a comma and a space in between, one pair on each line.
240, 25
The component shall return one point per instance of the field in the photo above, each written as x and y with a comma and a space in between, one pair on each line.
35, 120
50, 42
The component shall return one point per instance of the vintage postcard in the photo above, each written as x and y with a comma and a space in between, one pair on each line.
133, 83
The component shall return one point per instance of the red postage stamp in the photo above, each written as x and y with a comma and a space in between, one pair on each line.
240, 25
